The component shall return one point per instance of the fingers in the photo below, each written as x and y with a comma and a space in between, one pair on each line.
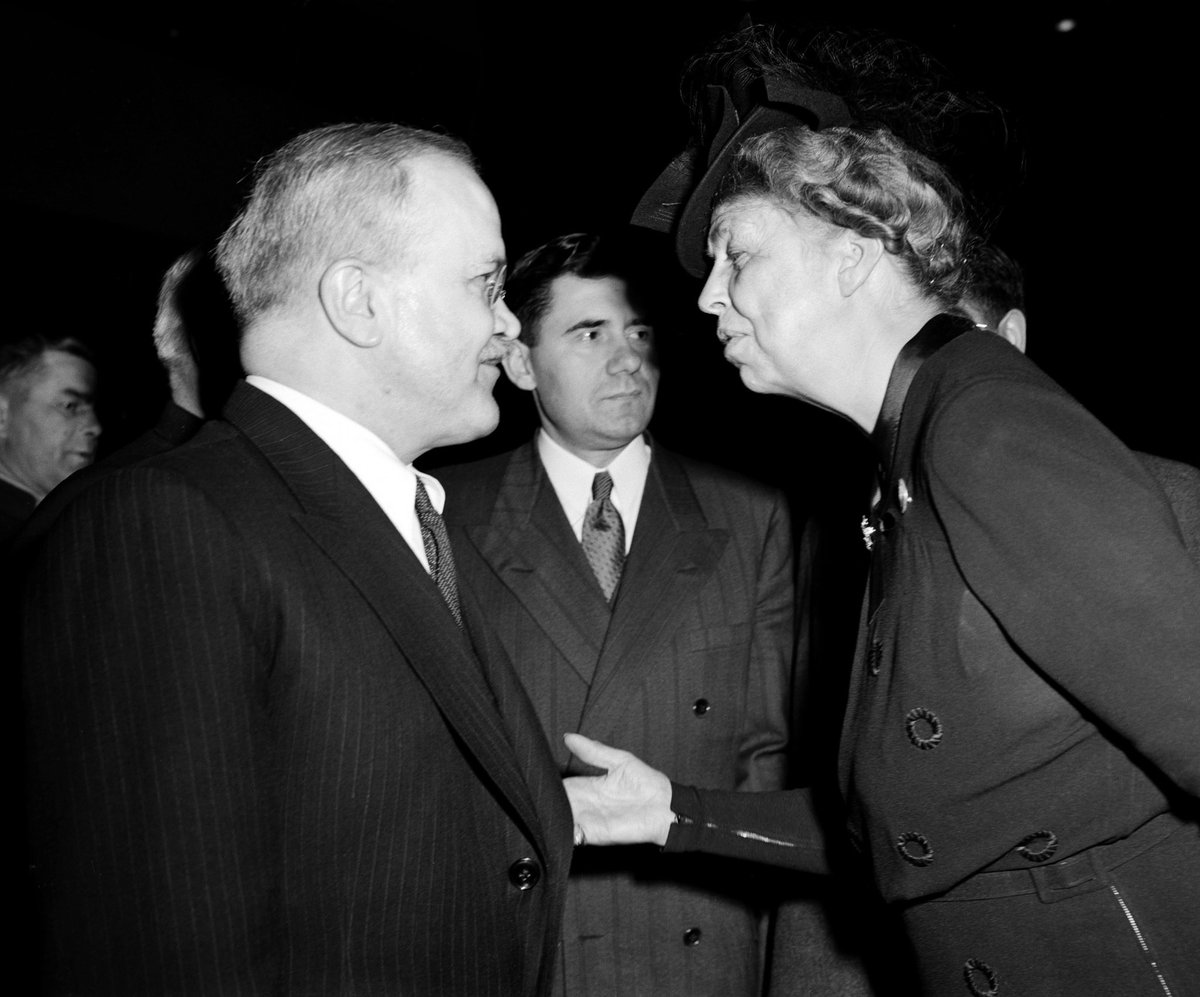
595, 753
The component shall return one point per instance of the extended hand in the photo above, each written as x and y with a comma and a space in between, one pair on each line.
630, 804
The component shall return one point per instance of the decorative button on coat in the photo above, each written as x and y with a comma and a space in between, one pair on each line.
692, 936
915, 848
700, 707
923, 728
1038, 846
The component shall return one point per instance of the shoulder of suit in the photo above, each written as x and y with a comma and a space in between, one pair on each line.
471, 487
219, 461
704, 475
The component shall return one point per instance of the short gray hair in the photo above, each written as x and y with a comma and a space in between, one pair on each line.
325, 194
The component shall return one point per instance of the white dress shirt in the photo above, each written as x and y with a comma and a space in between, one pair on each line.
391, 482
572, 477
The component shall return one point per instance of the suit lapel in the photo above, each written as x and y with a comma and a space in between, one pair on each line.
340, 516
529, 544
674, 553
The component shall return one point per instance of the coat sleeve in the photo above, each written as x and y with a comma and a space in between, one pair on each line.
778, 829
151, 837
762, 750
1060, 532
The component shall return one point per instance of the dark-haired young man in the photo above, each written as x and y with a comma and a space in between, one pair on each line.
644, 598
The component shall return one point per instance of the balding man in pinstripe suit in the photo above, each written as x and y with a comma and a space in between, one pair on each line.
272, 751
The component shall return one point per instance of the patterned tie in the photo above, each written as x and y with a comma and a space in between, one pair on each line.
604, 535
437, 551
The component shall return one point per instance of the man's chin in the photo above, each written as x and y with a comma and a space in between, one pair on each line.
481, 422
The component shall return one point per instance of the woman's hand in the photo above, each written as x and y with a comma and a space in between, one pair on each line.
630, 804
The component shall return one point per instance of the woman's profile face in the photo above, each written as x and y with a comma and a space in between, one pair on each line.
774, 290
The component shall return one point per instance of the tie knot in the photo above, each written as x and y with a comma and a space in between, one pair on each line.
422, 504
602, 485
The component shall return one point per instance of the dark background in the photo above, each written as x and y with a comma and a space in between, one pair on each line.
131, 138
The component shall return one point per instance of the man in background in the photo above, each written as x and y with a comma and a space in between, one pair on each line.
644, 598
272, 748
48, 426
996, 302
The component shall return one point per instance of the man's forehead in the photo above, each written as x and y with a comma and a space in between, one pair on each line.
67, 370
447, 197
571, 292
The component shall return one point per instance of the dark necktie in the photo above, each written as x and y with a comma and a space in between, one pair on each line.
604, 535
437, 551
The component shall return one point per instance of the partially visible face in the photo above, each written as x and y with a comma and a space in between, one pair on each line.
445, 341
48, 428
594, 373
774, 290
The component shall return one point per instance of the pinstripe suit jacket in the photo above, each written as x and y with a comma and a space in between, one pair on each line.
690, 670
265, 759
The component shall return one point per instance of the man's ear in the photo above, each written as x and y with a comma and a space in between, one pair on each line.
1012, 328
518, 365
857, 257
346, 291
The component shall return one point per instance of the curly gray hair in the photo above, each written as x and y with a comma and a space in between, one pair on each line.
867, 181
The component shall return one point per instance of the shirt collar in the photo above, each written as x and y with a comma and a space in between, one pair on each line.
571, 477
391, 482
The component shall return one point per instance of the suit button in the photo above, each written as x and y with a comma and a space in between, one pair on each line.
692, 936
700, 707
524, 874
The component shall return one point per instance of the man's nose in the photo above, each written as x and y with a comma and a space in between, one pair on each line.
626, 358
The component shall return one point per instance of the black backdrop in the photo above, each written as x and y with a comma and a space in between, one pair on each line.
130, 137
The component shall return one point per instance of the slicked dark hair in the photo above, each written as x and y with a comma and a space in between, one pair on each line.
996, 285
580, 254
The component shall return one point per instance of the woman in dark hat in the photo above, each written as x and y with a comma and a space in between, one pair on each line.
1020, 757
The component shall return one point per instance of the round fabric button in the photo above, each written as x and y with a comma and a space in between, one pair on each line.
982, 980
923, 728
914, 848
524, 874
692, 936
1039, 846
700, 707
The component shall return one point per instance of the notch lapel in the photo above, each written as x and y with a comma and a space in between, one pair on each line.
341, 518
674, 553
529, 544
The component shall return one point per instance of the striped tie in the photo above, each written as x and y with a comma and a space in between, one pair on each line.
437, 551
